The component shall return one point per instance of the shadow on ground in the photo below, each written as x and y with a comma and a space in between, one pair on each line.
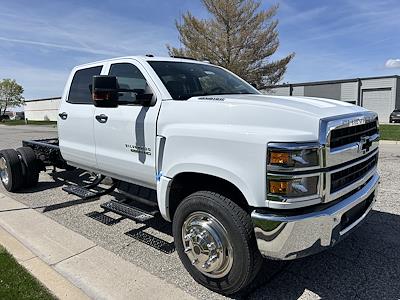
366, 265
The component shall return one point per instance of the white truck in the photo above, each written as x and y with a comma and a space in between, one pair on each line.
240, 175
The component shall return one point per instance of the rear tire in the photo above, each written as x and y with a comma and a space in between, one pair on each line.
30, 166
11, 170
238, 260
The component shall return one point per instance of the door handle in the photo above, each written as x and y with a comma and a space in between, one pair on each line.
102, 118
63, 115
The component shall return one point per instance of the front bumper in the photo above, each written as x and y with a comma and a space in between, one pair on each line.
286, 237
394, 118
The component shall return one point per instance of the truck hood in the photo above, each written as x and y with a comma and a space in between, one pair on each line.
317, 107
261, 117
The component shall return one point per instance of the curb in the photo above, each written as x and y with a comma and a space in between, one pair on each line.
389, 142
70, 265
53, 281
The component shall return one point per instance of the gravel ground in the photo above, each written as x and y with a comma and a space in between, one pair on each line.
364, 266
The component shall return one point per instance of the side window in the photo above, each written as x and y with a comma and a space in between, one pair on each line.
79, 92
129, 77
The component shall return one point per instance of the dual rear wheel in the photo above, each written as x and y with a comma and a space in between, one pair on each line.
19, 168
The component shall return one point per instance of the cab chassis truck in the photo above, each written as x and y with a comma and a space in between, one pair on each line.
240, 175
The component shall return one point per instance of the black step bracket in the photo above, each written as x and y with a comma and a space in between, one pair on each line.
84, 192
103, 218
128, 211
138, 193
79, 191
151, 240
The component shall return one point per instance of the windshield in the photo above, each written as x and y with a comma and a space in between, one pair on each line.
184, 80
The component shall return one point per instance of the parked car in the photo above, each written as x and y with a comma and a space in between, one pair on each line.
240, 175
395, 116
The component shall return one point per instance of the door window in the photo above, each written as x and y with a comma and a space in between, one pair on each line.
129, 77
79, 92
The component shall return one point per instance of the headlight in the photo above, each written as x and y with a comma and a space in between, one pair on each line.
281, 156
286, 167
293, 188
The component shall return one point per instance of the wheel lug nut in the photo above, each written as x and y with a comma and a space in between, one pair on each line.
206, 265
188, 236
194, 261
212, 258
203, 234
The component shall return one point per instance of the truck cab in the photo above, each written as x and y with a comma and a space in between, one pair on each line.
241, 175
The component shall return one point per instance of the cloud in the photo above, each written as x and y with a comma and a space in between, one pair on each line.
392, 63
38, 48
59, 46
81, 31
37, 82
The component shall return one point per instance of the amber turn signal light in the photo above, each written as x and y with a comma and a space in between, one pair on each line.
278, 187
279, 158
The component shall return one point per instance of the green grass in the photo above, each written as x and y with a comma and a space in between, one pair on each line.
22, 122
16, 282
390, 132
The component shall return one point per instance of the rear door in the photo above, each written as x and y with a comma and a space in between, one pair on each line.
126, 135
75, 121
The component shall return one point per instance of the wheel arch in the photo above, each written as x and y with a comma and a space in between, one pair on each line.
188, 182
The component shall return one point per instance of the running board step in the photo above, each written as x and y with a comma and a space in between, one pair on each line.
152, 241
79, 191
128, 211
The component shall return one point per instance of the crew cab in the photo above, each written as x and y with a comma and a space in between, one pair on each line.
241, 175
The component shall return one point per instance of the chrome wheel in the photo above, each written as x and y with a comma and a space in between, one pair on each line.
207, 245
3, 171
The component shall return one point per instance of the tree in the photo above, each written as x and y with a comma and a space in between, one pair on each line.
10, 95
239, 36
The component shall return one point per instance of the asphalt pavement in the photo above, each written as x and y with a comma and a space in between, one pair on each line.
366, 265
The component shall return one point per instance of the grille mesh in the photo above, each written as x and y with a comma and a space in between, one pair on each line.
346, 177
353, 134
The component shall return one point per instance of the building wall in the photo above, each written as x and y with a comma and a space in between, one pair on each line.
278, 91
398, 93
378, 83
298, 90
349, 92
331, 91
43, 110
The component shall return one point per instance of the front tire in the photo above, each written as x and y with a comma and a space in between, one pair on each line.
11, 170
215, 241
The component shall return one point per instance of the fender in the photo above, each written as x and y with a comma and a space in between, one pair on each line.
164, 183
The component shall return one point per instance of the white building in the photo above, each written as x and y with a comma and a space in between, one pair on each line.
42, 109
379, 94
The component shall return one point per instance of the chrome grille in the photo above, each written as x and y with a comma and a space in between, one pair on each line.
352, 134
347, 177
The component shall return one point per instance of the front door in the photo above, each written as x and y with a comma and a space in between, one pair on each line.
126, 135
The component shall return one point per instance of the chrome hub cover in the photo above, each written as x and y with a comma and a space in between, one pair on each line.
3, 171
207, 244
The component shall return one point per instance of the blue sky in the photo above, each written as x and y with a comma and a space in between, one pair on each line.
41, 41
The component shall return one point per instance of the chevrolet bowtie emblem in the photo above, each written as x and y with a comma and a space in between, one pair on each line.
364, 144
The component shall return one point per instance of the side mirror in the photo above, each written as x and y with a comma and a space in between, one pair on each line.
105, 91
145, 99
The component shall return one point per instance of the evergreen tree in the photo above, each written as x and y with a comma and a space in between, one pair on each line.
239, 36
